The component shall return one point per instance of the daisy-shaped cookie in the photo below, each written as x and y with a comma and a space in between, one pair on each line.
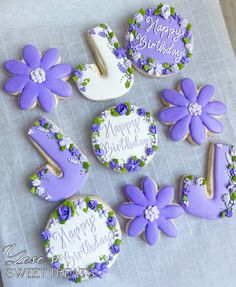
191, 112
150, 210
38, 79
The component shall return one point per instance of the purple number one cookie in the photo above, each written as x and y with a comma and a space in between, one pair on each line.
67, 167
215, 197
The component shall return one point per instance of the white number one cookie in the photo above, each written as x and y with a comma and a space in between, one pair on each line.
215, 197
112, 77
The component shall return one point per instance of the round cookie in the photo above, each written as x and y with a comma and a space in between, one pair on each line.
82, 238
150, 210
38, 79
191, 112
159, 41
124, 137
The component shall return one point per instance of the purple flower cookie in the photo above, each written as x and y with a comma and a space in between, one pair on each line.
191, 112
150, 211
38, 79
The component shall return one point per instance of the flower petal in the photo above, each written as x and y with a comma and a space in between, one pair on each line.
136, 226
130, 209
171, 211
180, 129
15, 84
205, 95
16, 67
59, 71
46, 99
164, 196
197, 130
215, 108
31, 56
58, 87
172, 114
212, 124
49, 58
167, 227
28, 96
149, 189
133, 193
189, 89
174, 98
151, 232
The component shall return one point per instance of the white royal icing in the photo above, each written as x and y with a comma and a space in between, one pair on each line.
107, 79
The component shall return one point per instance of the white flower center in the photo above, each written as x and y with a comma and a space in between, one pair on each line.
151, 213
38, 75
195, 109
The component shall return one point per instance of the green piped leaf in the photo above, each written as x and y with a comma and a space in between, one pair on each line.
189, 55
151, 60
75, 78
186, 40
223, 214
86, 165
231, 166
233, 196
204, 181
114, 113
172, 11
33, 189
80, 67
180, 66
55, 214
142, 164
234, 158
111, 213
148, 114
190, 177
46, 126
142, 11
78, 280
117, 242
157, 12
146, 67
59, 136
116, 45
166, 65
234, 178
189, 27
103, 26
131, 21
106, 164
155, 147
124, 170
98, 121
34, 176
62, 148
36, 124
130, 70
127, 84
111, 34
134, 32
185, 198
159, 6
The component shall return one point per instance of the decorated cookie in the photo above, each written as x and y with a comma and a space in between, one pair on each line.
67, 167
82, 238
124, 137
159, 41
150, 210
191, 112
113, 76
214, 197
38, 79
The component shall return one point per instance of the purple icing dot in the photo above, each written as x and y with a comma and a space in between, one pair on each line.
141, 112
111, 221
95, 128
75, 152
228, 213
122, 68
99, 152
153, 129
121, 108
120, 52
56, 265
42, 122
79, 73
64, 212
102, 34
115, 249
92, 32
149, 12
133, 27
46, 235
149, 151
92, 204
99, 269
83, 89
184, 60
112, 164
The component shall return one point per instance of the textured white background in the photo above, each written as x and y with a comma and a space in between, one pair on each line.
204, 254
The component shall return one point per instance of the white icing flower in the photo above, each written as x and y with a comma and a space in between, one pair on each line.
54, 129
184, 23
40, 190
225, 197
156, 69
199, 181
47, 197
30, 132
136, 56
151, 213
189, 47
165, 11
233, 152
174, 68
138, 17
219, 145
229, 158
36, 182
43, 130
81, 204
65, 142
128, 63
112, 40
186, 203
195, 109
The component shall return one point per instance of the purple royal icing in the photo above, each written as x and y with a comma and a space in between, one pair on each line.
191, 112
159, 41
217, 199
150, 211
38, 78
61, 150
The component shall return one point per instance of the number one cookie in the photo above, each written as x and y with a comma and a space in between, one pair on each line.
67, 167
215, 197
112, 77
